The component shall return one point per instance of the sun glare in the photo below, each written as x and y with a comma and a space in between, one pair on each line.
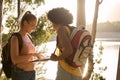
105, 14
89, 10
55, 3
108, 9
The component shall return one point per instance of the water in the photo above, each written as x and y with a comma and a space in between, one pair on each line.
109, 59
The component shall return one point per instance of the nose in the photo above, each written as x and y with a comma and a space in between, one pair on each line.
34, 27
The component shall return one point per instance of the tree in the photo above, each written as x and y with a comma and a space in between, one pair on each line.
118, 69
1, 6
97, 73
37, 2
81, 13
18, 9
12, 21
81, 21
94, 24
94, 27
42, 32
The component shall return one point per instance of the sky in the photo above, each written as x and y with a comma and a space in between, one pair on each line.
108, 10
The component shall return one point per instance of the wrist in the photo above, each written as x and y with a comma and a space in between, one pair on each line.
60, 58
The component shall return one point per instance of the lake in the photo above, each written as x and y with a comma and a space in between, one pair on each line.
109, 59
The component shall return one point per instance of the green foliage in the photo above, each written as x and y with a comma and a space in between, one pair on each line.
8, 7
12, 23
100, 69
5, 38
40, 71
37, 2
98, 76
8, 1
42, 34
43, 31
4, 78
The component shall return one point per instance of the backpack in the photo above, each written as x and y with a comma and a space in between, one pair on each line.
6, 58
81, 43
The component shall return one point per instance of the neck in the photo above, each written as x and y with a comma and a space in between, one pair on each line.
22, 32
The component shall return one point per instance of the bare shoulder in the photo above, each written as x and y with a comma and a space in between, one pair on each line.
63, 36
62, 31
14, 39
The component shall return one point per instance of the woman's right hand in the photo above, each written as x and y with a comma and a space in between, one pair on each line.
53, 57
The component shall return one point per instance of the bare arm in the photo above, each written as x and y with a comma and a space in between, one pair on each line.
66, 43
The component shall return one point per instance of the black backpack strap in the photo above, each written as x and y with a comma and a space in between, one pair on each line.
30, 37
20, 41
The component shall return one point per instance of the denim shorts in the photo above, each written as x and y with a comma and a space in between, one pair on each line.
20, 74
64, 75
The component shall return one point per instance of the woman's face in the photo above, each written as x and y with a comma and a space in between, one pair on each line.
31, 25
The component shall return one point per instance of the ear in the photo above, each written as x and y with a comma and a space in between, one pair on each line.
25, 23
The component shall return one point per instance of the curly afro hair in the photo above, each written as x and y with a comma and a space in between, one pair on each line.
60, 16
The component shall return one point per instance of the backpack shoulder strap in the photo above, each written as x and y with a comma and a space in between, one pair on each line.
30, 37
76, 36
84, 37
20, 41
75, 30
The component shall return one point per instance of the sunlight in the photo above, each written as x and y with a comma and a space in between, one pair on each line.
109, 58
105, 14
50, 4
106, 9
89, 8
110, 54
51, 66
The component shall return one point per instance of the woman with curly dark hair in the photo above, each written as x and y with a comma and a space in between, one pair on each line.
61, 19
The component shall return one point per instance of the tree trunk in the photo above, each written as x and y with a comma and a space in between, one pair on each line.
80, 13
118, 70
1, 6
94, 25
18, 9
1, 12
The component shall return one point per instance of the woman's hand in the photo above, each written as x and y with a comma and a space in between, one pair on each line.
41, 57
53, 57
38, 55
